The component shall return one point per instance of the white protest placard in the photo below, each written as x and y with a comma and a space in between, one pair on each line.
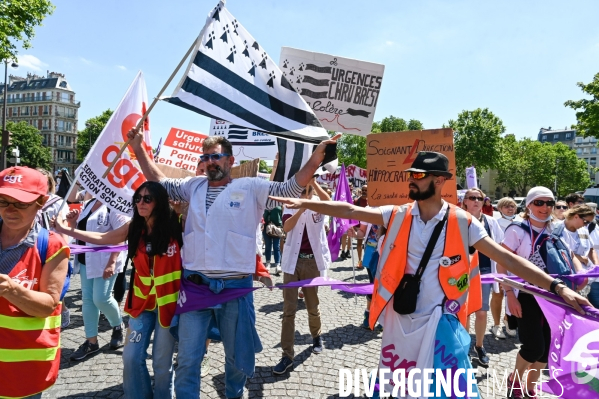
181, 149
342, 92
116, 190
356, 176
247, 144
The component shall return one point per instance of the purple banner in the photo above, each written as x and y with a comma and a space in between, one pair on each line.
573, 354
339, 226
81, 249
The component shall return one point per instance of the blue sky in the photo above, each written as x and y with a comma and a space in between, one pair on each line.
521, 59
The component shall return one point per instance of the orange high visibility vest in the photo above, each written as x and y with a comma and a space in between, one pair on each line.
29, 346
459, 277
160, 288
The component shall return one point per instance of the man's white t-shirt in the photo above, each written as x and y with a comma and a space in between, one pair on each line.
431, 294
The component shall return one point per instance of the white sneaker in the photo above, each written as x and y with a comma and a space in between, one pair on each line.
511, 333
498, 332
278, 269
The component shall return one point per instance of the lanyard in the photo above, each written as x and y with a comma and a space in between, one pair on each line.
534, 243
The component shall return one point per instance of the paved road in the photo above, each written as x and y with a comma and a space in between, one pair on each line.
315, 376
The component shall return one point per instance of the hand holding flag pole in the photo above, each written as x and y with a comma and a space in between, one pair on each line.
585, 309
145, 115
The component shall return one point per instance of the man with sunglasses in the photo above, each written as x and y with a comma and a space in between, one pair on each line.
219, 245
411, 293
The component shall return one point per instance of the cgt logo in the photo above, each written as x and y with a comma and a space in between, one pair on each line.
22, 279
171, 250
585, 353
13, 179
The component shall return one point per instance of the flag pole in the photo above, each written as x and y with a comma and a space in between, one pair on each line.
353, 262
145, 115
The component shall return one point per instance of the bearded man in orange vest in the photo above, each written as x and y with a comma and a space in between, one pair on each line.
428, 274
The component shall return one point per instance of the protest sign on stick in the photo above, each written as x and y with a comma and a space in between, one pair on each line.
181, 149
247, 143
116, 189
342, 92
389, 154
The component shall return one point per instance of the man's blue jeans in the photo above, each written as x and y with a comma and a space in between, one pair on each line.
136, 378
193, 331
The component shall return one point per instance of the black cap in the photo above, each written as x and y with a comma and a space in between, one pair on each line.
431, 162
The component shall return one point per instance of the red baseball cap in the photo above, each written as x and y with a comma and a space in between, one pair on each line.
23, 184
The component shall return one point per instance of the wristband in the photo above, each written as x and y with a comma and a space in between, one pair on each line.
554, 284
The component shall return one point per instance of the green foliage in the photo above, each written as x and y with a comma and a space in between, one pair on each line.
18, 18
477, 138
93, 128
587, 113
29, 140
351, 149
263, 167
527, 163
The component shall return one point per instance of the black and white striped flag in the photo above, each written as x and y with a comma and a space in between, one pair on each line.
230, 77
293, 155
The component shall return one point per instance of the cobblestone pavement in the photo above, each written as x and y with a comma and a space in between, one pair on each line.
314, 376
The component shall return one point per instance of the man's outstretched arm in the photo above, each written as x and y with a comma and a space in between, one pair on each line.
334, 208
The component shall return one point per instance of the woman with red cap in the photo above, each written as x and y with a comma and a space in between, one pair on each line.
33, 267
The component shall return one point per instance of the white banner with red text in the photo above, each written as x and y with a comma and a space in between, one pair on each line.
116, 190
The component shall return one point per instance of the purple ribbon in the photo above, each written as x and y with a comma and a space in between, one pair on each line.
81, 249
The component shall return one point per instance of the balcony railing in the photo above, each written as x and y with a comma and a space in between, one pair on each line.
40, 99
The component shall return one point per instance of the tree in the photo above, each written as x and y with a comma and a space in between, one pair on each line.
527, 163
18, 18
93, 128
263, 167
351, 149
29, 141
588, 116
477, 138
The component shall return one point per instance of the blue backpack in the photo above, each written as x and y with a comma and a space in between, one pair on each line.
42, 248
554, 253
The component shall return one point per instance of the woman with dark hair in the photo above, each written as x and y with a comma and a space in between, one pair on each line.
155, 238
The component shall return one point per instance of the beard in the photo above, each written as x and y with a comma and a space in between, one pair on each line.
216, 173
421, 195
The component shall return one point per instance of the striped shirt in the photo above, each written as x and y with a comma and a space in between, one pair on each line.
288, 189
10, 256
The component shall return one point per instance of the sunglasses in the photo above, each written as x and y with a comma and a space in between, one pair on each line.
561, 207
146, 198
418, 175
481, 199
586, 222
18, 205
549, 203
213, 157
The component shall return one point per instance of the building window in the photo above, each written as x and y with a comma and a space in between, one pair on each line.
543, 138
578, 140
594, 150
568, 135
585, 150
593, 161
68, 141
578, 151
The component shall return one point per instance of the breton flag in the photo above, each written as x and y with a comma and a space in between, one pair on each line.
293, 155
231, 77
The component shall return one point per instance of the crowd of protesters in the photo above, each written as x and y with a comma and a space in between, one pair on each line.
212, 246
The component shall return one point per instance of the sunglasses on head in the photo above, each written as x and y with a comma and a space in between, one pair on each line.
146, 198
541, 203
481, 199
213, 157
561, 207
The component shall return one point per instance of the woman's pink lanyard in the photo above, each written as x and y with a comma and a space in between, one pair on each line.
534, 242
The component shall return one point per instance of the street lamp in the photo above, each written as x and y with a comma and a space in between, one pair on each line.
4, 132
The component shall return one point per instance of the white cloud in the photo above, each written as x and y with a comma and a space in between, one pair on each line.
29, 61
121, 67
389, 43
85, 61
